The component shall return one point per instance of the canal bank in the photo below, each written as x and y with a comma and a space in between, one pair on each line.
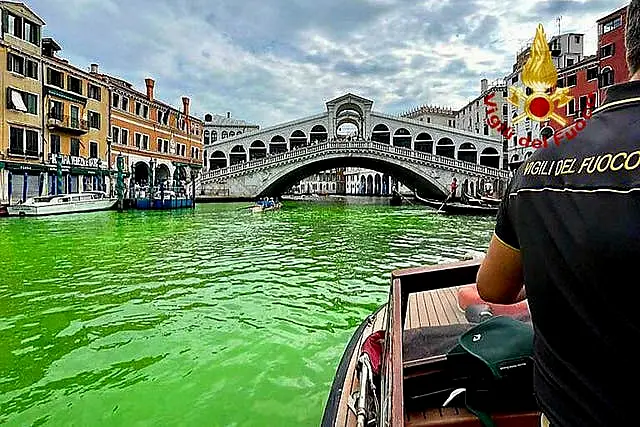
210, 316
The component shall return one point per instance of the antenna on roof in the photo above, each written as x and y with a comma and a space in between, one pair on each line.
559, 20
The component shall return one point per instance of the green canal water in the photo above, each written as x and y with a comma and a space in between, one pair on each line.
211, 317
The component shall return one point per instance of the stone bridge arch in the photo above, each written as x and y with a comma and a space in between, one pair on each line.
278, 181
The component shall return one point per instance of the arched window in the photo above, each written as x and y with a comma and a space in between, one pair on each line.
607, 77
208, 117
381, 133
232, 134
446, 148
490, 157
467, 152
214, 136
224, 134
424, 143
207, 138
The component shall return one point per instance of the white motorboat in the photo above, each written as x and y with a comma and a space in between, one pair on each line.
63, 203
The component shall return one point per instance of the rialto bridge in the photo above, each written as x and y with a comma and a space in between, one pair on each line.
421, 155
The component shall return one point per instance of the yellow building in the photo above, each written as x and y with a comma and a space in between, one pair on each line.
23, 170
76, 125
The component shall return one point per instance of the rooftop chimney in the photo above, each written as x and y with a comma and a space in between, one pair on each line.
94, 68
150, 84
484, 85
228, 114
185, 104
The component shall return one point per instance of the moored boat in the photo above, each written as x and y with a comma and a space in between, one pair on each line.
63, 204
458, 208
394, 369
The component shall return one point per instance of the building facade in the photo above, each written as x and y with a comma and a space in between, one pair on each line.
612, 52
582, 79
566, 51
76, 130
473, 116
218, 128
159, 144
23, 167
331, 181
433, 115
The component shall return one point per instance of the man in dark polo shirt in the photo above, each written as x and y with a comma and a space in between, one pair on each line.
569, 229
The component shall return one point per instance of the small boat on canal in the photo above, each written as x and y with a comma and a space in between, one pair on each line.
397, 369
62, 204
265, 206
474, 207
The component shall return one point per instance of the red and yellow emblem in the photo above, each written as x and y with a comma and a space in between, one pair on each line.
539, 74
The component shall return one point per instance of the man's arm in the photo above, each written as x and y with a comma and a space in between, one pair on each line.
500, 278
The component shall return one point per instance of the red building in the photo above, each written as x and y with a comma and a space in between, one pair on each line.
582, 79
612, 54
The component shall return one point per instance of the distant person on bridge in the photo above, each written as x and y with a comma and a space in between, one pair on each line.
573, 241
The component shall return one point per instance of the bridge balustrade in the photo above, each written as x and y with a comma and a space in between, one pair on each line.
355, 145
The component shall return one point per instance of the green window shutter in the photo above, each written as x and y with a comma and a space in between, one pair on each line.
5, 21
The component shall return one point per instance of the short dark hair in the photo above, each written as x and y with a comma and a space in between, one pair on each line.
632, 36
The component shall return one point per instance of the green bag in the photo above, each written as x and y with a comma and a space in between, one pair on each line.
497, 356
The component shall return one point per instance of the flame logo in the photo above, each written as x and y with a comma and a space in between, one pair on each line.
539, 74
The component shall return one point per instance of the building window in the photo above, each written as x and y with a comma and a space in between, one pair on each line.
505, 94
592, 73
611, 25
115, 101
607, 77
16, 140
21, 28
145, 142
93, 150
125, 103
94, 92
94, 119
160, 145
31, 69
56, 110
571, 107
428, 119
138, 108
115, 134
138, 139
486, 130
570, 62
561, 82
505, 110
22, 101
207, 139
124, 136
224, 134
54, 141
55, 78
577, 39
75, 147
572, 80
15, 63
74, 85
159, 115
515, 141
145, 111
166, 145
214, 136
607, 50
514, 79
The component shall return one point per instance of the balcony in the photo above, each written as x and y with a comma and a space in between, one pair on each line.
67, 124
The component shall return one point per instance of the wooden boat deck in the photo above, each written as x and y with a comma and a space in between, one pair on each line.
431, 308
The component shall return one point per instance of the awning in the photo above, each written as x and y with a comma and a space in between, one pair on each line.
17, 101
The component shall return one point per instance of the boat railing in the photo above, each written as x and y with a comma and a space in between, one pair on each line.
348, 147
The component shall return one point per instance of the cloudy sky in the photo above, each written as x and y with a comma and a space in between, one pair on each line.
269, 61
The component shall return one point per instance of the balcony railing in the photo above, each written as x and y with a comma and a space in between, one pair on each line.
348, 147
67, 123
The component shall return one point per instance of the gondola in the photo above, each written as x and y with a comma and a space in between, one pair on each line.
423, 302
457, 208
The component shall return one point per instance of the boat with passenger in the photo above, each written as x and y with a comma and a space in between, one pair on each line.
265, 205
63, 203
472, 206
412, 362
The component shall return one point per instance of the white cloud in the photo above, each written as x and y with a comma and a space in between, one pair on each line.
274, 60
